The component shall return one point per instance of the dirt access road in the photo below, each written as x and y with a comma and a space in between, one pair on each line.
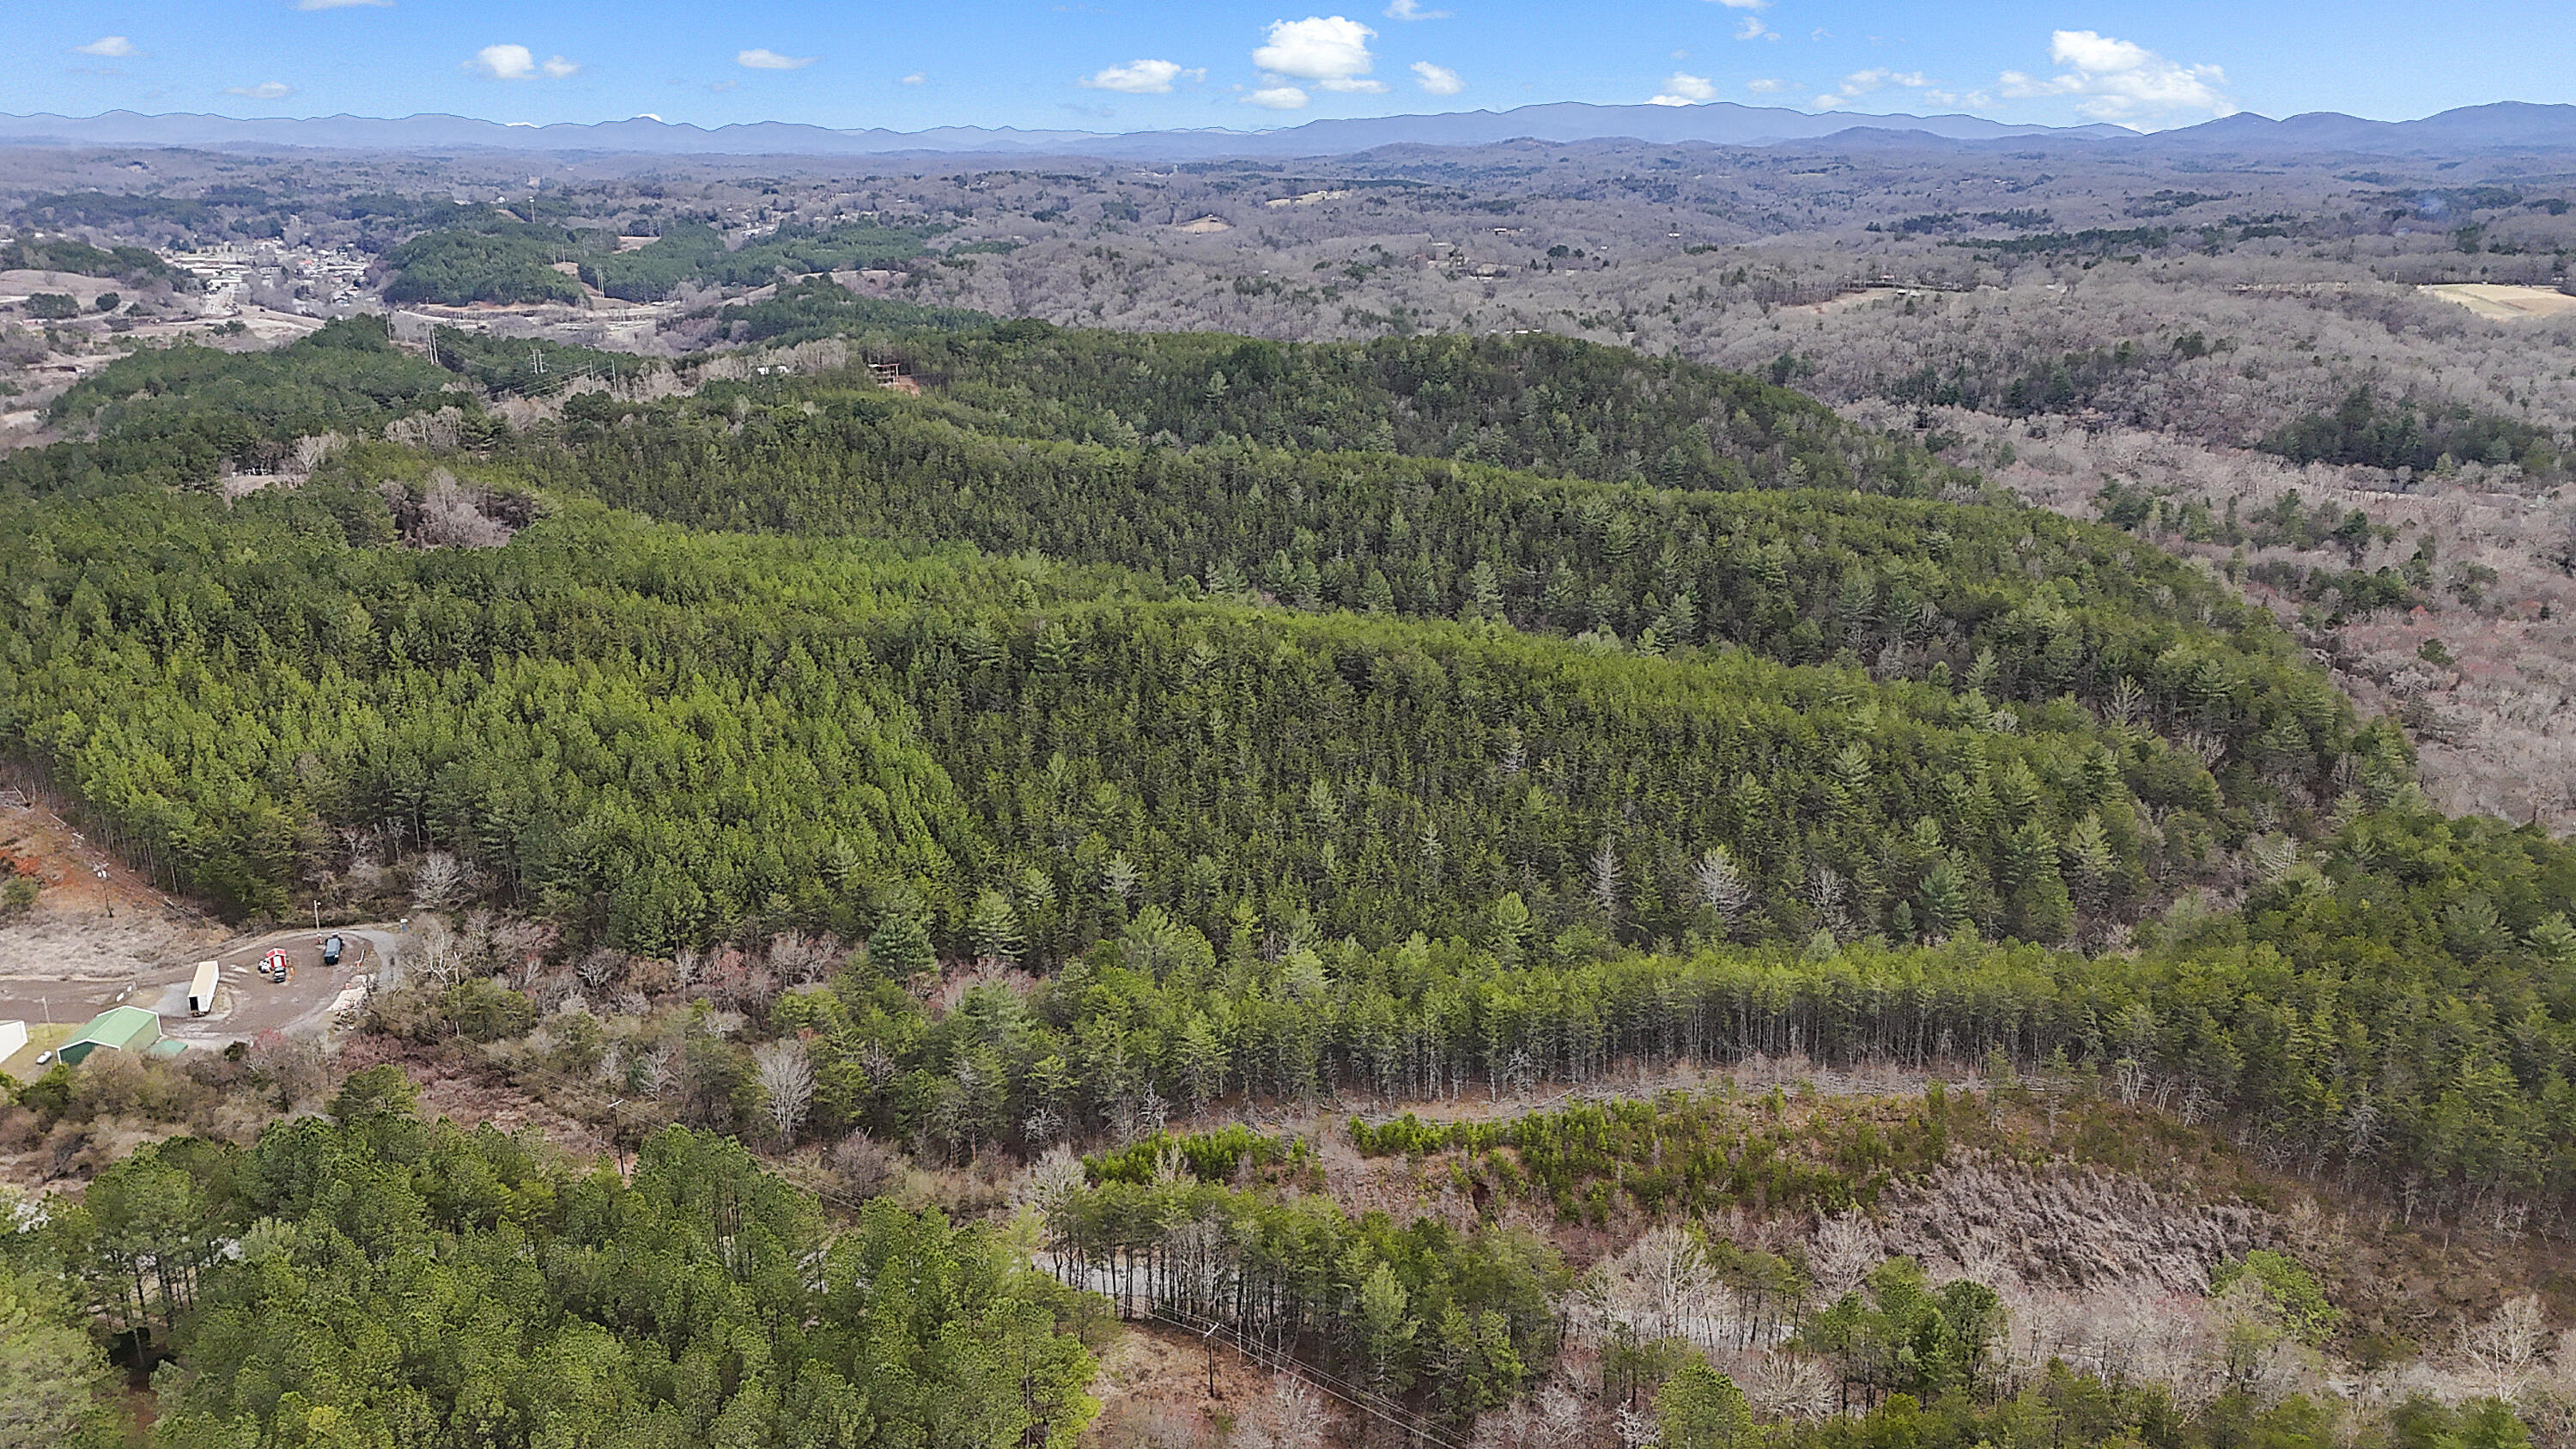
102, 936
245, 1005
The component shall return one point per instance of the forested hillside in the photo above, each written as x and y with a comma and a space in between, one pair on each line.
983, 719
2014, 603
183, 415
696, 256
1128, 728
490, 255
493, 258
1878, 697
368, 1278
134, 266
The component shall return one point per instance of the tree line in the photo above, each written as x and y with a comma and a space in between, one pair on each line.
2399, 1012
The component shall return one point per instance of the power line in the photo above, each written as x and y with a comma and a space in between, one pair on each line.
1366, 1400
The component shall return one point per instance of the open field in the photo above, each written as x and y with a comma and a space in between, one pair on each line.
2506, 304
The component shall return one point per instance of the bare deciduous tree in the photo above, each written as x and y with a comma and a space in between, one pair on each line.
431, 953
291, 1066
438, 882
1605, 881
2504, 1351
1784, 1385
1722, 887
313, 452
867, 1167
1846, 1248
1661, 1286
1053, 1179
600, 965
1293, 1417
786, 1075
449, 515
1555, 1419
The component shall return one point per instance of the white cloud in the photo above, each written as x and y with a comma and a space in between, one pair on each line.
558, 67
1141, 78
1754, 29
113, 47
504, 62
917, 78
1439, 80
1746, 4
264, 91
342, 4
1328, 50
1684, 90
1412, 10
767, 59
1277, 98
1766, 87
1862, 82
2123, 82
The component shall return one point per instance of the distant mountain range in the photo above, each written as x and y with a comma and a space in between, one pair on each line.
2500, 127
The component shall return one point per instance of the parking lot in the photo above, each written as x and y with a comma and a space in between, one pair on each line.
245, 1005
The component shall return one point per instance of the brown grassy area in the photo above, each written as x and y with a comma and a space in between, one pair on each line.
96, 918
2051, 1184
2505, 304
1154, 1388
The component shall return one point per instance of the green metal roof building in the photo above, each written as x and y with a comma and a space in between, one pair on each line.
119, 1028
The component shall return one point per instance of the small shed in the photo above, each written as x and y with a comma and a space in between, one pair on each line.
119, 1028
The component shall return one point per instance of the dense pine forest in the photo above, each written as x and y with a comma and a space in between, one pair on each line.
367, 1278
1392, 724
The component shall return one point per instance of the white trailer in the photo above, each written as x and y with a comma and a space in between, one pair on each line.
13, 1038
201, 990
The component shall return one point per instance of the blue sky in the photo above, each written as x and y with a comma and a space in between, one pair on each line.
1140, 64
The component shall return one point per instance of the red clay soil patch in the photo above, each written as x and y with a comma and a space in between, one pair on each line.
79, 876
